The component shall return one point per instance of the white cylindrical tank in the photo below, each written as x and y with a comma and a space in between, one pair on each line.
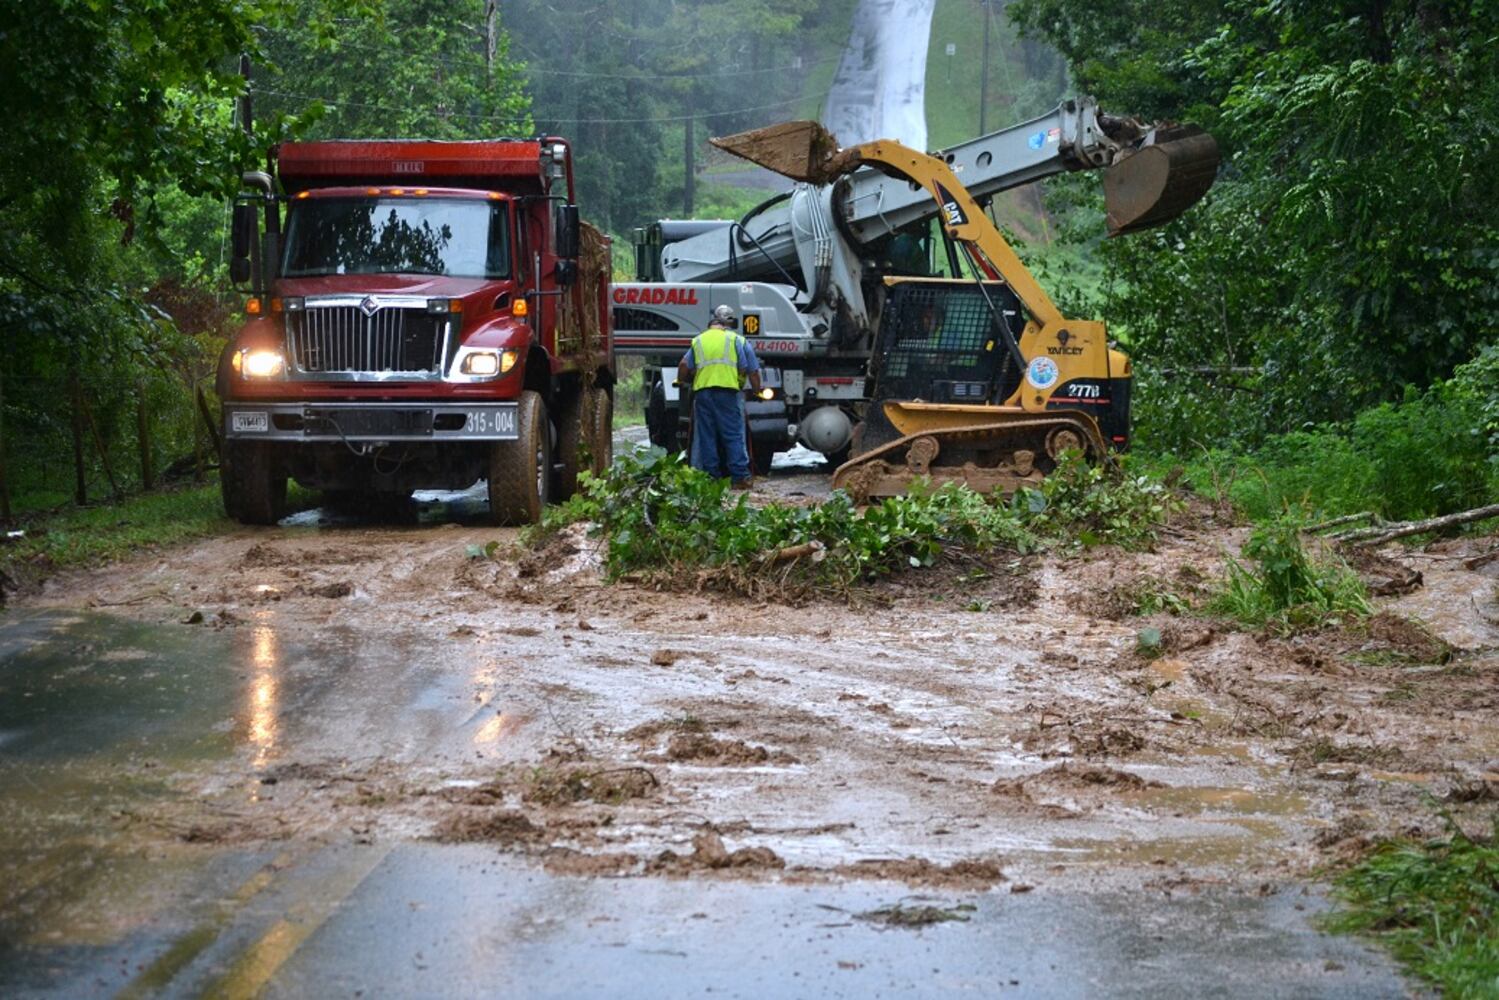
826, 429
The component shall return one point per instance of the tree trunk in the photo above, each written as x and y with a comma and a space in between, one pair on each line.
80, 479
4, 480
1402, 529
109, 472
143, 437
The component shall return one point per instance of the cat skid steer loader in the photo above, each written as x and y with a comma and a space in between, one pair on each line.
984, 381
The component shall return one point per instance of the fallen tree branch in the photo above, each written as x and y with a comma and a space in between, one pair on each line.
814, 548
1402, 529
1367, 515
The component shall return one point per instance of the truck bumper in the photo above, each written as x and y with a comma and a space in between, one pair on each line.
370, 423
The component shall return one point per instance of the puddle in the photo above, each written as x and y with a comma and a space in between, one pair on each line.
1413, 777
1169, 668
1240, 801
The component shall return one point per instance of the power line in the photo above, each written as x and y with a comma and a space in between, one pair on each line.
677, 76
529, 67
335, 103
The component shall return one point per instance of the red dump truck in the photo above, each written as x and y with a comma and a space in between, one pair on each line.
421, 315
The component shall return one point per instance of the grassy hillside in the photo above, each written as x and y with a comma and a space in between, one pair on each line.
1025, 80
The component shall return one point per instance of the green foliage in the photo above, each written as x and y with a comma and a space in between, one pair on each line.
659, 516
1346, 250
1427, 455
1093, 505
1286, 588
620, 80
1026, 77
1435, 905
408, 68
84, 536
1154, 596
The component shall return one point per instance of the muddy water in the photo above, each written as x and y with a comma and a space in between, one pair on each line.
356, 686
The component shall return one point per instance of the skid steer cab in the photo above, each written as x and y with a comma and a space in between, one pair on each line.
953, 398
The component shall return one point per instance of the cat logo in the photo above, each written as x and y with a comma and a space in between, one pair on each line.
951, 210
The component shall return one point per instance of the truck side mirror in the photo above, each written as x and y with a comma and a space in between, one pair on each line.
241, 235
568, 225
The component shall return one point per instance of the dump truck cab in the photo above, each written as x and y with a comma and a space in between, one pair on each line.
421, 315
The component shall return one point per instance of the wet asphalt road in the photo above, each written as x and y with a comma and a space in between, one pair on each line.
102, 721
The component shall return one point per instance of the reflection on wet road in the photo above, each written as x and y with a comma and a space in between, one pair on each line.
111, 731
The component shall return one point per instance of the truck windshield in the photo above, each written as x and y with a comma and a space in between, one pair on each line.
461, 237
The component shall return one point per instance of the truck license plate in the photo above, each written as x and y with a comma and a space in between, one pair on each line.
492, 422
241, 422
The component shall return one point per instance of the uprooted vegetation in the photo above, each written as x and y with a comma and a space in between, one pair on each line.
1286, 587
665, 523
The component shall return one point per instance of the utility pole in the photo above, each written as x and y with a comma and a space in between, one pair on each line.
246, 117
689, 179
984, 72
491, 19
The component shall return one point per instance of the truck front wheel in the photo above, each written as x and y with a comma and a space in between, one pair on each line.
520, 471
254, 492
574, 428
603, 431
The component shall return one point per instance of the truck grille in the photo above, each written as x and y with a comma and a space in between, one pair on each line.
349, 340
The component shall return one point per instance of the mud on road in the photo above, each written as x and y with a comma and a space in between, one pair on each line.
961, 727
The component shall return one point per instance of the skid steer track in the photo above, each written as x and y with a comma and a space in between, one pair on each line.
1004, 449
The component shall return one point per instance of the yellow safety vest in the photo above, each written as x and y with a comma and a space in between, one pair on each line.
715, 359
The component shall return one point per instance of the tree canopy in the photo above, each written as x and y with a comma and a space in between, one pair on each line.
1351, 245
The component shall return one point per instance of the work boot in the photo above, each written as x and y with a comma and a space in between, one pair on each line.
741, 484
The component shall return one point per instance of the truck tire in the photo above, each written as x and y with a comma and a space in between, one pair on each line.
760, 459
520, 471
253, 491
574, 437
664, 422
602, 450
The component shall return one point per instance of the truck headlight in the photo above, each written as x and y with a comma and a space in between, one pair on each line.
261, 363
482, 363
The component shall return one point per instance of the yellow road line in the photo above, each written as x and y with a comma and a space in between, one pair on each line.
192, 944
256, 966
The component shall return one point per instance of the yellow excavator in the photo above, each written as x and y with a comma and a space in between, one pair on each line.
984, 381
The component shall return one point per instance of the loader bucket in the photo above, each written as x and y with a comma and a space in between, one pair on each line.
1167, 175
801, 150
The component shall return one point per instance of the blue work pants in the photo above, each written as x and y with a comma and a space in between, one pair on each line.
718, 433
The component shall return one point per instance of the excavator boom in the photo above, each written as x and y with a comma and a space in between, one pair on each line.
1162, 171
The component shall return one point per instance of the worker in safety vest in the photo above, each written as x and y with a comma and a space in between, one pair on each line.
718, 363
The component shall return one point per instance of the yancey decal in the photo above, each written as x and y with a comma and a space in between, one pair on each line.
655, 296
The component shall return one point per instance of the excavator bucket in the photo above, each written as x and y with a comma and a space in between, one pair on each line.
801, 150
1167, 175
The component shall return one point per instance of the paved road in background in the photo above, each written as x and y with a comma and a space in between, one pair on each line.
880, 89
